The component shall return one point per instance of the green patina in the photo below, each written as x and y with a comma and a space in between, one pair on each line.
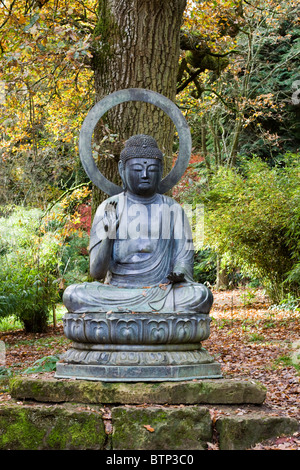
76, 424
79, 433
238, 433
16, 430
192, 392
50, 427
161, 428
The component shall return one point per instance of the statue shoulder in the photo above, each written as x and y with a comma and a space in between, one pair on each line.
170, 201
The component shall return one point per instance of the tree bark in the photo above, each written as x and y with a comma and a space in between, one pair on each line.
222, 282
137, 45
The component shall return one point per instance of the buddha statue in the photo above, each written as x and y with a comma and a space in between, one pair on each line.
141, 250
143, 317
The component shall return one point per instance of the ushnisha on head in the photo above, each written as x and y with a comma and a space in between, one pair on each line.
140, 146
141, 165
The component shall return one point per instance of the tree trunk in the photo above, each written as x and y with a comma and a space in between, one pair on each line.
222, 282
136, 46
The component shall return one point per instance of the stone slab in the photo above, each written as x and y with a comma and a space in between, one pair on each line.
68, 414
161, 428
36, 426
242, 432
50, 428
219, 391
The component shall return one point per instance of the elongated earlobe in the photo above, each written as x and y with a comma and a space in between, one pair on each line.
122, 173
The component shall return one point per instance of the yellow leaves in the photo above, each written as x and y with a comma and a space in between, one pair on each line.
70, 220
262, 105
203, 18
22, 20
55, 85
75, 218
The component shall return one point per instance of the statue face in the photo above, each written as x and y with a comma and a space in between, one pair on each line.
142, 176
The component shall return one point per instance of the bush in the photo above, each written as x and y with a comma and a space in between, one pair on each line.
74, 259
41, 253
252, 218
28, 267
205, 266
71, 221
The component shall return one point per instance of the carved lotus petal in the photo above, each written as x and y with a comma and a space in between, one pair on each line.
158, 332
97, 331
126, 332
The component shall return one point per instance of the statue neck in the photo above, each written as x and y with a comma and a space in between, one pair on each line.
141, 199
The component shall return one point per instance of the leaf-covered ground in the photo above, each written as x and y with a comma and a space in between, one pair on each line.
248, 338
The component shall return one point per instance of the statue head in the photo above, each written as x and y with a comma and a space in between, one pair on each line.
140, 165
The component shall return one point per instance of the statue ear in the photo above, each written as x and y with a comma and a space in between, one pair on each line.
161, 169
122, 173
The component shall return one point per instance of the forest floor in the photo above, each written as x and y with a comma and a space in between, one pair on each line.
248, 337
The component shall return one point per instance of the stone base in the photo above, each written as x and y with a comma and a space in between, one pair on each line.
45, 413
138, 373
137, 363
127, 347
193, 392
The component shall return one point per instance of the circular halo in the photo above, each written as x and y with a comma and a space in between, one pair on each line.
122, 96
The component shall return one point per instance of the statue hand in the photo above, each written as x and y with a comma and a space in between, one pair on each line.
176, 277
110, 219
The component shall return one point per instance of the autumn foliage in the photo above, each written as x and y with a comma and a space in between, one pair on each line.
237, 71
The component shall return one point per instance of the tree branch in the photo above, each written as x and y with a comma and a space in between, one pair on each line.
9, 11
69, 190
191, 78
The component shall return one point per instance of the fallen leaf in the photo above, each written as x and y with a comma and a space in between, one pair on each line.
163, 286
148, 427
108, 427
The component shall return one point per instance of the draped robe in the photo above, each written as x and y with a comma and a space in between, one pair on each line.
153, 239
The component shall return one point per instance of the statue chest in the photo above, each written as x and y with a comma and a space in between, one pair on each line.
134, 250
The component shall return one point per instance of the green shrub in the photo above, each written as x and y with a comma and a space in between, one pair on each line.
74, 259
28, 267
39, 257
45, 364
205, 266
252, 219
